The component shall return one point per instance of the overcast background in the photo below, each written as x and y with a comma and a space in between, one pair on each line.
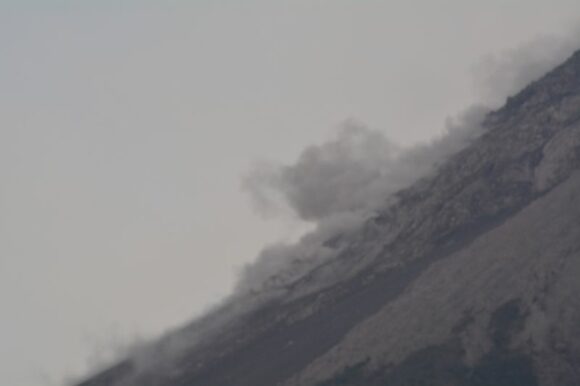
126, 126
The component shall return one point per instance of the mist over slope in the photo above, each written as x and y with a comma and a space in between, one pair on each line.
336, 186
339, 184
345, 187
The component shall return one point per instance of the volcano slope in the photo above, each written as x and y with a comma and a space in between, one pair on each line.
471, 278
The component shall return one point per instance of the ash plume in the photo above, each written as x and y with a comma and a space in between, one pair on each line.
336, 186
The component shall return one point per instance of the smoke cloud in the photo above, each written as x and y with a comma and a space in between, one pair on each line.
355, 171
344, 174
336, 186
503, 74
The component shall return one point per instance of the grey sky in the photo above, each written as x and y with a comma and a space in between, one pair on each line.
125, 130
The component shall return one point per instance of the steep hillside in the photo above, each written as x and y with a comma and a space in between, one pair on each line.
471, 278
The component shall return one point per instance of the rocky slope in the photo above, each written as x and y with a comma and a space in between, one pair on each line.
471, 278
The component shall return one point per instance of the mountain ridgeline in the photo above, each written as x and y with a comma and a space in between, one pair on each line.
471, 278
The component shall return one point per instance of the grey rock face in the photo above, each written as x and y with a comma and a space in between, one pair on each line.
472, 278
507, 292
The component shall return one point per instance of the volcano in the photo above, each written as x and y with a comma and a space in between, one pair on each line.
471, 278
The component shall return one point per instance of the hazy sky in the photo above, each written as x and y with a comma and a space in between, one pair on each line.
126, 126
